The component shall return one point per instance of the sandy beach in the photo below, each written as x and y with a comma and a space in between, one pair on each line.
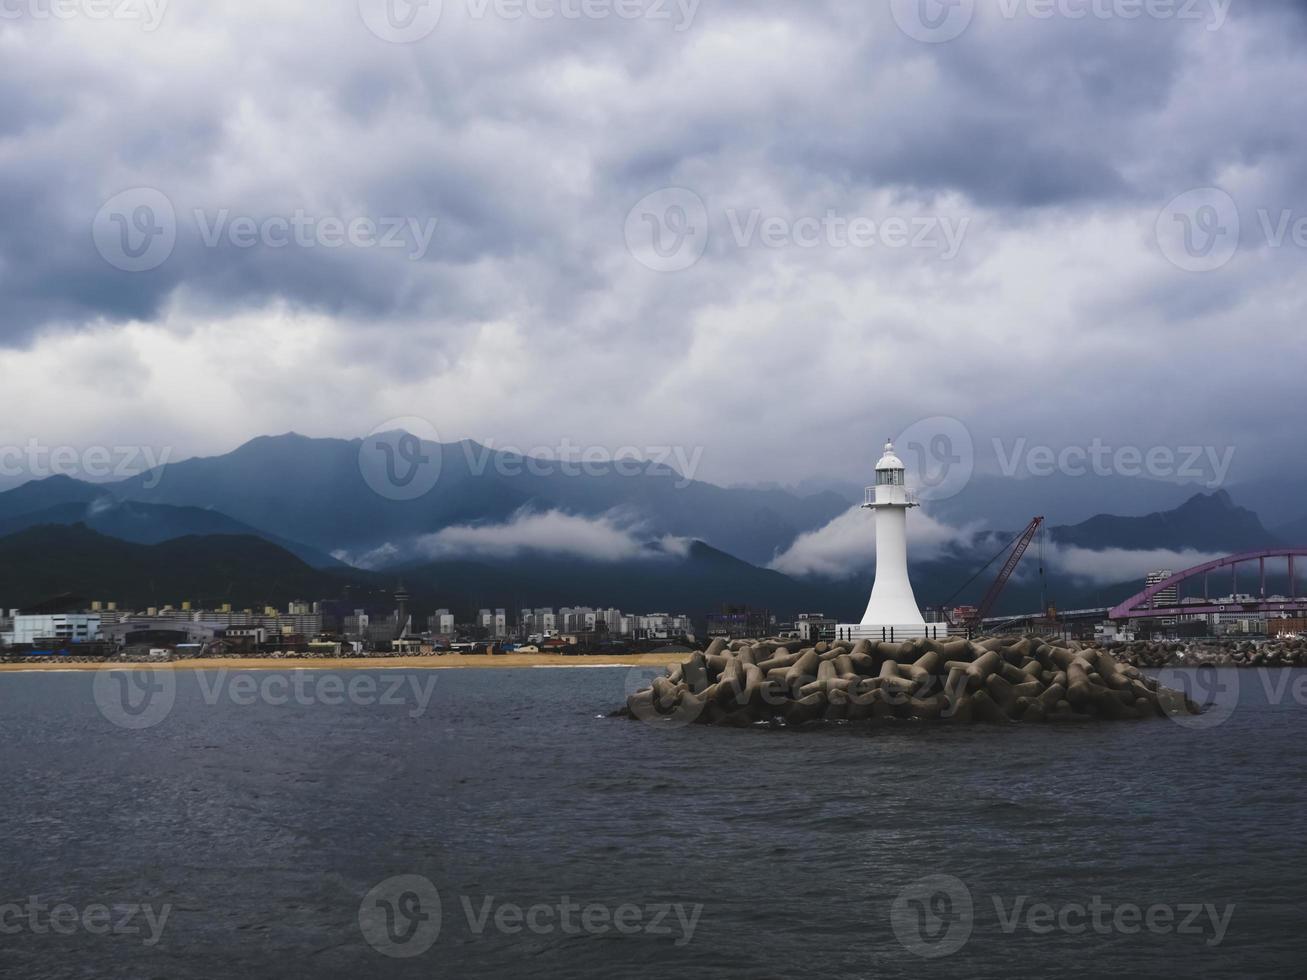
451, 662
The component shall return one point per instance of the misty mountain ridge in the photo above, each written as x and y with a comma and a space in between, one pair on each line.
1205, 522
57, 560
311, 494
508, 517
314, 491
143, 523
48, 560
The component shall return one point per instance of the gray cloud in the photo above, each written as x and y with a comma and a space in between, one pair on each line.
846, 547
529, 142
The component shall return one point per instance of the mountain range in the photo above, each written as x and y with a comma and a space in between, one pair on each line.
314, 491
272, 520
131, 520
1205, 522
50, 560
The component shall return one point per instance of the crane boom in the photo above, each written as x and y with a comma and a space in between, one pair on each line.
1010, 566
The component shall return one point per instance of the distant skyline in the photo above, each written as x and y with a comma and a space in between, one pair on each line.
768, 233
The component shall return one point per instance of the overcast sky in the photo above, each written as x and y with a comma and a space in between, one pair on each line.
778, 230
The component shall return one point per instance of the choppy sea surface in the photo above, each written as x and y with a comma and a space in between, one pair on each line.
492, 823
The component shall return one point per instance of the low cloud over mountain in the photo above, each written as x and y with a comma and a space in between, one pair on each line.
847, 545
605, 539
1112, 565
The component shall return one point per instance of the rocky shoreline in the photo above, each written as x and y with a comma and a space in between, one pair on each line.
996, 681
1218, 653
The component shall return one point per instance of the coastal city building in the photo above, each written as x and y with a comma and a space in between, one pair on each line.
740, 623
661, 626
379, 621
307, 625
1167, 597
57, 627
814, 627
1286, 626
403, 624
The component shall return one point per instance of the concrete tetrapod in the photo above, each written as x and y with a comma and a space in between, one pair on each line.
996, 681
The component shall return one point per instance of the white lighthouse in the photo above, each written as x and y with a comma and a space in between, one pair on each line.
892, 612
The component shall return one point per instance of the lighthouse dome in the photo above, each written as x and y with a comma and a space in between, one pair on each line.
889, 461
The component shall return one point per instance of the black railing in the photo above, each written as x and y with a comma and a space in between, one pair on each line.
887, 633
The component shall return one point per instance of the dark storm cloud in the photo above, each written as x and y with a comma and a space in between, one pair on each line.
1059, 141
998, 115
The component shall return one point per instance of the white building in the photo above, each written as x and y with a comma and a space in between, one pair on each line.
64, 627
661, 626
612, 620
1167, 597
1115, 633
814, 627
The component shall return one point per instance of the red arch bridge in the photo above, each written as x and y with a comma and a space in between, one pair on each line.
1142, 605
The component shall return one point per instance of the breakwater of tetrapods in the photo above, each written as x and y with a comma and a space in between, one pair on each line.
995, 681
